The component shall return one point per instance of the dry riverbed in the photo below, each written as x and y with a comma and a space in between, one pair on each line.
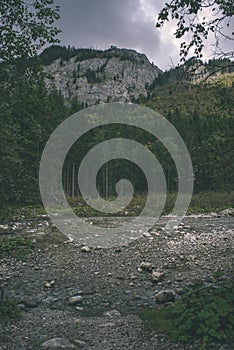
74, 297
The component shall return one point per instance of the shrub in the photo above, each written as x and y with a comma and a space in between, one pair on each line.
16, 247
203, 313
8, 311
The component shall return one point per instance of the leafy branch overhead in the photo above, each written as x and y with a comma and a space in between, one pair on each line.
26, 26
198, 19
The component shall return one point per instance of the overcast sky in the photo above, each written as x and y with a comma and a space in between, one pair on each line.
123, 23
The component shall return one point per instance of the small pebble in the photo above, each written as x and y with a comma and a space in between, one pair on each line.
75, 300
85, 249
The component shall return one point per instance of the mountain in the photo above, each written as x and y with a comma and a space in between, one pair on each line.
196, 71
92, 76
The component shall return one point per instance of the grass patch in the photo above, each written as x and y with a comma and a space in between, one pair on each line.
203, 202
19, 213
9, 311
16, 247
203, 313
206, 202
81, 208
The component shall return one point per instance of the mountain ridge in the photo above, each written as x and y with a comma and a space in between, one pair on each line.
86, 77
90, 76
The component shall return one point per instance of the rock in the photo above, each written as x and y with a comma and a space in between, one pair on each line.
49, 284
112, 313
147, 266
76, 321
75, 300
50, 300
3, 227
79, 343
179, 291
119, 75
156, 233
57, 344
79, 308
121, 277
85, 249
41, 233
107, 324
69, 240
165, 296
157, 276
80, 292
30, 302
147, 234
133, 276
227, 212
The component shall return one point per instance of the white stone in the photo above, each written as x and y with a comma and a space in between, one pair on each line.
112, 313
58, 343
75, 300
85, 249
157, 276
146, 234
147, 266
165, 296
79, 343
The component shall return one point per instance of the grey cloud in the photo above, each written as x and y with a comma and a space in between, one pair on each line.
102, 23
124, 23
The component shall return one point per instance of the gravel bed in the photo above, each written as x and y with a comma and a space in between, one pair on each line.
75, 297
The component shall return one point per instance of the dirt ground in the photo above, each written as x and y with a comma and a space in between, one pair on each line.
73, 297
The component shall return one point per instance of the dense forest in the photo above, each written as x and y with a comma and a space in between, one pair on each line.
65, 53
202, 112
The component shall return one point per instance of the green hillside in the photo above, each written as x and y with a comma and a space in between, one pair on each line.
201, 112
203, 115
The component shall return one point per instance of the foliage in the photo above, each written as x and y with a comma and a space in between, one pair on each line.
28, 114
27, 111
199, 19
54, 52
194, 70
91, 76
65, 53
8, 311
19, 213
203, 115
26, 27
16, 247
226, 80
203, 313
206, 202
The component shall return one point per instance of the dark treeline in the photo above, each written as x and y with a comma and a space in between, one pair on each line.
65, 53
193, 70
28, 115
203, 115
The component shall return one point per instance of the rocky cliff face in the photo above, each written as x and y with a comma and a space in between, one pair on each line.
116, 75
